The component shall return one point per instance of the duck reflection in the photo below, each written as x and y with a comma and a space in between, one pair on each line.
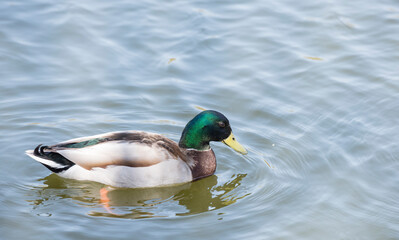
191, 198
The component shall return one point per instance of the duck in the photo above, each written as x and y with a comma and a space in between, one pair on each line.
137, 159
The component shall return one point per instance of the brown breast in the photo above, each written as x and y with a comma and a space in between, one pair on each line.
202, 163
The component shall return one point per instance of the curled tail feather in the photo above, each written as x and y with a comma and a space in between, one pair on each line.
52, 160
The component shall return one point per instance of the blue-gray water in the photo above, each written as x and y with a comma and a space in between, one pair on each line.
310, 87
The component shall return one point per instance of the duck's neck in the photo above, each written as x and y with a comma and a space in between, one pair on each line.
193, 138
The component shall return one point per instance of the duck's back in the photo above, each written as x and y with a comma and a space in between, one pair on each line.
129, 148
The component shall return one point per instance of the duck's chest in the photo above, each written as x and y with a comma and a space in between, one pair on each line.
203, 163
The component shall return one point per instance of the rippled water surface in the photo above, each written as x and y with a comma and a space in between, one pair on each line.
311, 88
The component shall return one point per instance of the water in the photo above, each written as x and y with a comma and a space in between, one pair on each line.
310, 88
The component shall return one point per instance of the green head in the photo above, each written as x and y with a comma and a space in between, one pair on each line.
208, 126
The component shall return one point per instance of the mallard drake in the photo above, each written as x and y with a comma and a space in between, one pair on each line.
137, 159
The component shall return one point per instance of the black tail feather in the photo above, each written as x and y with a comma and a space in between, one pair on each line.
64, 163
39, 150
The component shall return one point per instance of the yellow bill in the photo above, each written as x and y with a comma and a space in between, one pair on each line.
232, 142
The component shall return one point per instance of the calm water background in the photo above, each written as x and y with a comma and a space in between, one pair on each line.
310, 87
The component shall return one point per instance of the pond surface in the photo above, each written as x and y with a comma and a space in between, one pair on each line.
311, 88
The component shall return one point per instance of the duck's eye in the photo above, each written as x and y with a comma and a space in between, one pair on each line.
222, 124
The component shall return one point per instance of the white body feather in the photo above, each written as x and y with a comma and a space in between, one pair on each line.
116, 153
165, 173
